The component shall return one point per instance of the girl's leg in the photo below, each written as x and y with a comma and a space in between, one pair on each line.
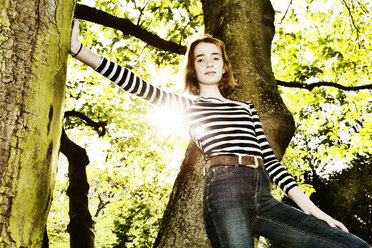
228, 228
294, 228
226, 206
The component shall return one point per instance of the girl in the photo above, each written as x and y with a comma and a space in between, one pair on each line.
240, 162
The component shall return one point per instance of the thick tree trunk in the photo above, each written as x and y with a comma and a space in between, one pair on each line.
34, 41
81, 224
249, 26
243, 26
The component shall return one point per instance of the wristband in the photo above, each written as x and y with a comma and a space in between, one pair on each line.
81, 47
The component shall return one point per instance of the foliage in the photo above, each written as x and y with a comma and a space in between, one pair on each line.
332, 125
58, 216
176, 21
147, 208
133, 166
131, 157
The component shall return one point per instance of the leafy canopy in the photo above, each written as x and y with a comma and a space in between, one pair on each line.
134, 165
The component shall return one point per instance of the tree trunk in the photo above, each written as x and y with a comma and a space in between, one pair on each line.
34, 41
243, 26
182, 224
81, 224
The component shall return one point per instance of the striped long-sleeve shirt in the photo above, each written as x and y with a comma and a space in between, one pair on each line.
218, 127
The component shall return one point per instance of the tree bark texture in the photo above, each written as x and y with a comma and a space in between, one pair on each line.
247, 28
34, 41
182, 224
81, 224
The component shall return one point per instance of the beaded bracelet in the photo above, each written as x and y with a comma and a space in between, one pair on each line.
81, 47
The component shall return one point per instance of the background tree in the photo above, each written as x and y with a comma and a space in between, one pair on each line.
355, 203
34, 42
81, 226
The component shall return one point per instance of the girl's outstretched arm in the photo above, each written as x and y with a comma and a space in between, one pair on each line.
123, 77
80, 52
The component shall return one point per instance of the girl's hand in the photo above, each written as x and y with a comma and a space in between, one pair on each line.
75, 43
310, 208
79, 51
325, 217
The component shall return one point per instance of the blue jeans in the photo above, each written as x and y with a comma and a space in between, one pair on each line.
238, 204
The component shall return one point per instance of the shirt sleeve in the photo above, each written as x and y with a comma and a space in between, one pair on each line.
274, 168
130, 82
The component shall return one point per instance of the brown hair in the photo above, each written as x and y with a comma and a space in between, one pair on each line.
227, 82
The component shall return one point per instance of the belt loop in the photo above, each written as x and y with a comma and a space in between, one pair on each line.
206, 168
262, 163
239, 160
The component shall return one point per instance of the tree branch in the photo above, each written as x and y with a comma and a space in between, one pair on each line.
99, 127
101, 205
289, 5
320, 84
127, 27
352, 19
191, 20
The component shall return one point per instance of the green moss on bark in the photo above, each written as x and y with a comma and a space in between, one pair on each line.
34, 144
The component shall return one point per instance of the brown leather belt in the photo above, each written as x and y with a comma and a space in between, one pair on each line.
248, 161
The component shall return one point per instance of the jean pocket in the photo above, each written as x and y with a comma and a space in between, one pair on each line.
222, 171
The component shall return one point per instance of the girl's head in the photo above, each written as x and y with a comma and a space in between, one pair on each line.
226, 83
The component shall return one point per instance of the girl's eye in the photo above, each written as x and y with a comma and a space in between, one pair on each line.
216, 58
199, 60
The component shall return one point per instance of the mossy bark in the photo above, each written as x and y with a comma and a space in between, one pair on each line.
34, 45
247, 28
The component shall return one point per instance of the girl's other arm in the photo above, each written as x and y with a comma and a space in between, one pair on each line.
80, 52
309, 207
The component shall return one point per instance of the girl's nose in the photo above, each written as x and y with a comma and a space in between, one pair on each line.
209, 63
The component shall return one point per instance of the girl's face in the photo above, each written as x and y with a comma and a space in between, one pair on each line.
208, 62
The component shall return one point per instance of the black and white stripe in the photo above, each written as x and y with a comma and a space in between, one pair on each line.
133, 84
217, 127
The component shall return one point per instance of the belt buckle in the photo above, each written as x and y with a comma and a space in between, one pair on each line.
255, 165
